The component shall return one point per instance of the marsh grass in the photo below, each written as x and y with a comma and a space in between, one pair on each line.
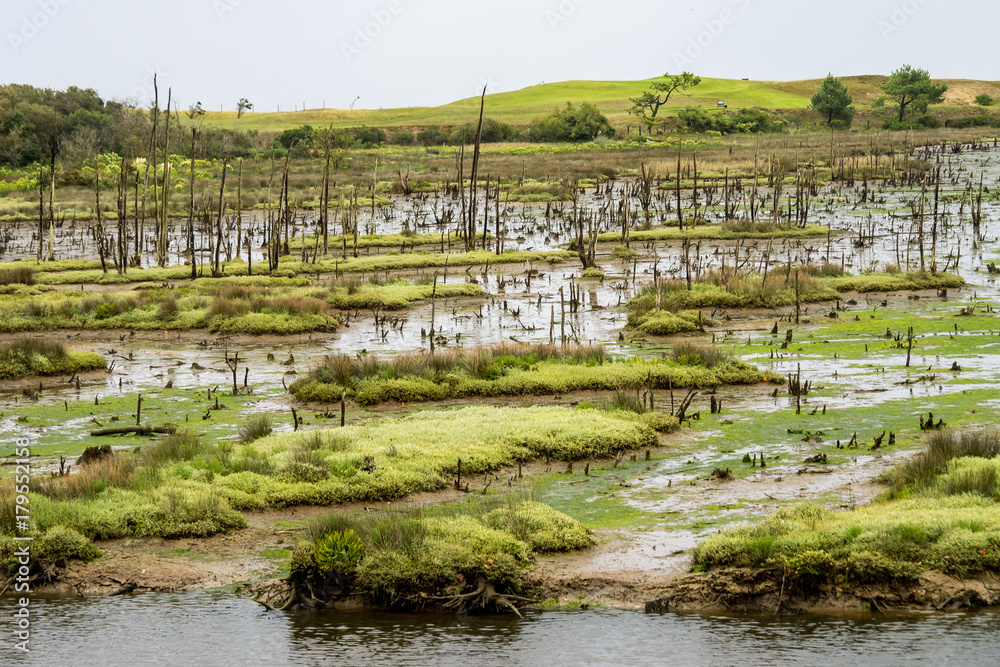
182, 446
941, 449
816, 283
89, 481
940, 512
22, 275
409, 554
511, 370
42, 356
695, 354
255, 427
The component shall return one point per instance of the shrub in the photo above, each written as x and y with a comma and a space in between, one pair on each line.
984, 100
432, 136
255, 427
369, 137
584, 123
402, 138
340, 551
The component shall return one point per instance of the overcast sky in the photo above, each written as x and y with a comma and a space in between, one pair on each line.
390, 53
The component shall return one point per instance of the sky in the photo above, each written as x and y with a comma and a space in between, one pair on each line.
393, 53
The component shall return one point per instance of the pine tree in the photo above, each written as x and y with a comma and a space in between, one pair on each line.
833, 101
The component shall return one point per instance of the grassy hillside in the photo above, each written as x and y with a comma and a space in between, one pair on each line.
520, 107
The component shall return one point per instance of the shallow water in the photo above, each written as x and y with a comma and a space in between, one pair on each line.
219, 629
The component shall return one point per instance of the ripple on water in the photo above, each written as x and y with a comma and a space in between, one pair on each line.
220, 629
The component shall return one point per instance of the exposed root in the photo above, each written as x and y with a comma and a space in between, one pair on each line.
484, 596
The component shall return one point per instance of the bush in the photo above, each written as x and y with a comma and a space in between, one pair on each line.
402, 138
749, 121
56, 546
984, 100
973, 121
585, 123
369, 137
432, 136
301, 137
400, 559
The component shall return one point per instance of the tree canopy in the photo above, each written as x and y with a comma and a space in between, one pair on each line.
833, 101
909, 86
647, 105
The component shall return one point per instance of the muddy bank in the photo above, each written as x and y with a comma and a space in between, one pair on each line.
746, 590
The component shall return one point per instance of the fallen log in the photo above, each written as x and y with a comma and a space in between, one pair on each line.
137, 430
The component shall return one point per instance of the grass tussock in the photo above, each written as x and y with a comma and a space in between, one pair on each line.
256, 427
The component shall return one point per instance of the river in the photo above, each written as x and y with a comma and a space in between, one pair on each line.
221, 629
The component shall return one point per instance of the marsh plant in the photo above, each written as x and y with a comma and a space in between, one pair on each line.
255, 427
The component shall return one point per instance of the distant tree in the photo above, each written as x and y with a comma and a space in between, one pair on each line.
369, 136
195, 111
583, 123
402, 138
910, 86
984, 100
647, 105
833, 101
242, 106
432, 136
300, 136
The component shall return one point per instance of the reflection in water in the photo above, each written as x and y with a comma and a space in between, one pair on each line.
220, 629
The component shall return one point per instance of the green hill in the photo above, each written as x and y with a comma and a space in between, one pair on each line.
520, 107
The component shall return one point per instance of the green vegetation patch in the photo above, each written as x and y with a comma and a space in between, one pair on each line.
721, 232
350, 293
512, 370
182, 486
778, 288
940, 513
469, 555
34, 356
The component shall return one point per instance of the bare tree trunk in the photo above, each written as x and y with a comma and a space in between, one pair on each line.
162, 251
218, 222
190, 229
475, 172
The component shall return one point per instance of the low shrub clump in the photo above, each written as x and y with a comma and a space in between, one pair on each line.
666, 323
50, 549
458, 557
36, 356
